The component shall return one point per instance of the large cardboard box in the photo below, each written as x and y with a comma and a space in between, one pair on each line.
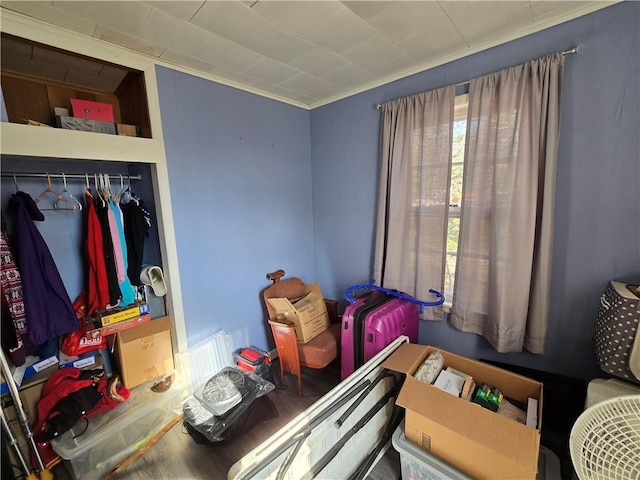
480, 443
308, 313
144, 352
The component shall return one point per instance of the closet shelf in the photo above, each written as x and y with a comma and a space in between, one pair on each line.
27, 140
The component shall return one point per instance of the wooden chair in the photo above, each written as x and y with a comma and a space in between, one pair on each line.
317, 353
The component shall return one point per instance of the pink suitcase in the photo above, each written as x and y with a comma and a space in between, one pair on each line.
371, 323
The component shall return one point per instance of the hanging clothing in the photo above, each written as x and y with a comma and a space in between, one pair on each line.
9, 337
97, 282
107, 247
136, 229
118, 250
13, 318
119, 245
47, 307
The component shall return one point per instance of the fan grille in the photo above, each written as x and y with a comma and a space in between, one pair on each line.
223, 386
605, 440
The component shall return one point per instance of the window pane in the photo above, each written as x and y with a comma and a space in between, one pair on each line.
449, 277
455, 195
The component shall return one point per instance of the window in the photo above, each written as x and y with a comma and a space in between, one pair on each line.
455, 193
474, 215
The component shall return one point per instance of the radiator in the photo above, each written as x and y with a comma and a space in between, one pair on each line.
203, 360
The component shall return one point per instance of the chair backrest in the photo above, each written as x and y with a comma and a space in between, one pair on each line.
289, 288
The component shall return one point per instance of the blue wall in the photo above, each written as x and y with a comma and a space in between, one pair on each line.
597, 224
240, 178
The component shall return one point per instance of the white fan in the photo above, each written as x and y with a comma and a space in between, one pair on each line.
221, 392
605, 440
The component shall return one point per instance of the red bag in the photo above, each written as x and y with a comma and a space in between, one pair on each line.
77, 343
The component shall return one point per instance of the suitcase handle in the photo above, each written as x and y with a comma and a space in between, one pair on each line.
348, 294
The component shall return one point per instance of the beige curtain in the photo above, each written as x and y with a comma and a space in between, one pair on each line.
414, 194
506, 227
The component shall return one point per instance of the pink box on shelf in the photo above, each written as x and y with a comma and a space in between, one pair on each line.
92, 110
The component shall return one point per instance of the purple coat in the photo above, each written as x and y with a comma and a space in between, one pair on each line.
48, 309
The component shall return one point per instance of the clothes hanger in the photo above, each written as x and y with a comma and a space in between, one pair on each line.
47, 191
106, 187
125, 197
15, 182
118, 196
95, 179
66, 201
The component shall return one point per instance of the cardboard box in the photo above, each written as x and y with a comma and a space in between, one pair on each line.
85, 361
95, 331
308, 314
103, 112
115, 315
85, 125
30, 370
480, 443
127, 130
144, 352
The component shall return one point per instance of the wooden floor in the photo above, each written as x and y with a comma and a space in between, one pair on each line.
177, 456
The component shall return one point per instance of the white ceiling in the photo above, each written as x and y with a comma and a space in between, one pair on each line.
307, 53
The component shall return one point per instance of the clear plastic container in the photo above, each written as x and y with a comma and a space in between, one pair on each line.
417, 463
90, 450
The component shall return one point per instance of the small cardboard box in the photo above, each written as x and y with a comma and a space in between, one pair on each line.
127, 130
480, 443
144, 352
308, 313
103, 112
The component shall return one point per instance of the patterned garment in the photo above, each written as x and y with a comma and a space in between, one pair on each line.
12, 291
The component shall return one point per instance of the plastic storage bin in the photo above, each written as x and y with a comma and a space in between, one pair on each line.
601, 389
418, 464
92, 450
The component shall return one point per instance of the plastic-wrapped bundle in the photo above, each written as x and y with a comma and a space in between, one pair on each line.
224, 404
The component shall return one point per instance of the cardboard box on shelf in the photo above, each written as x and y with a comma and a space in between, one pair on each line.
100, 111
144, 352
308, 313
127, 130
473, 439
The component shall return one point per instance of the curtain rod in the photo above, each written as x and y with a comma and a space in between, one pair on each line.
576, 49
68, 176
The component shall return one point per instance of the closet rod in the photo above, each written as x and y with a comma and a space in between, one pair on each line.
68, 176
576, 49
